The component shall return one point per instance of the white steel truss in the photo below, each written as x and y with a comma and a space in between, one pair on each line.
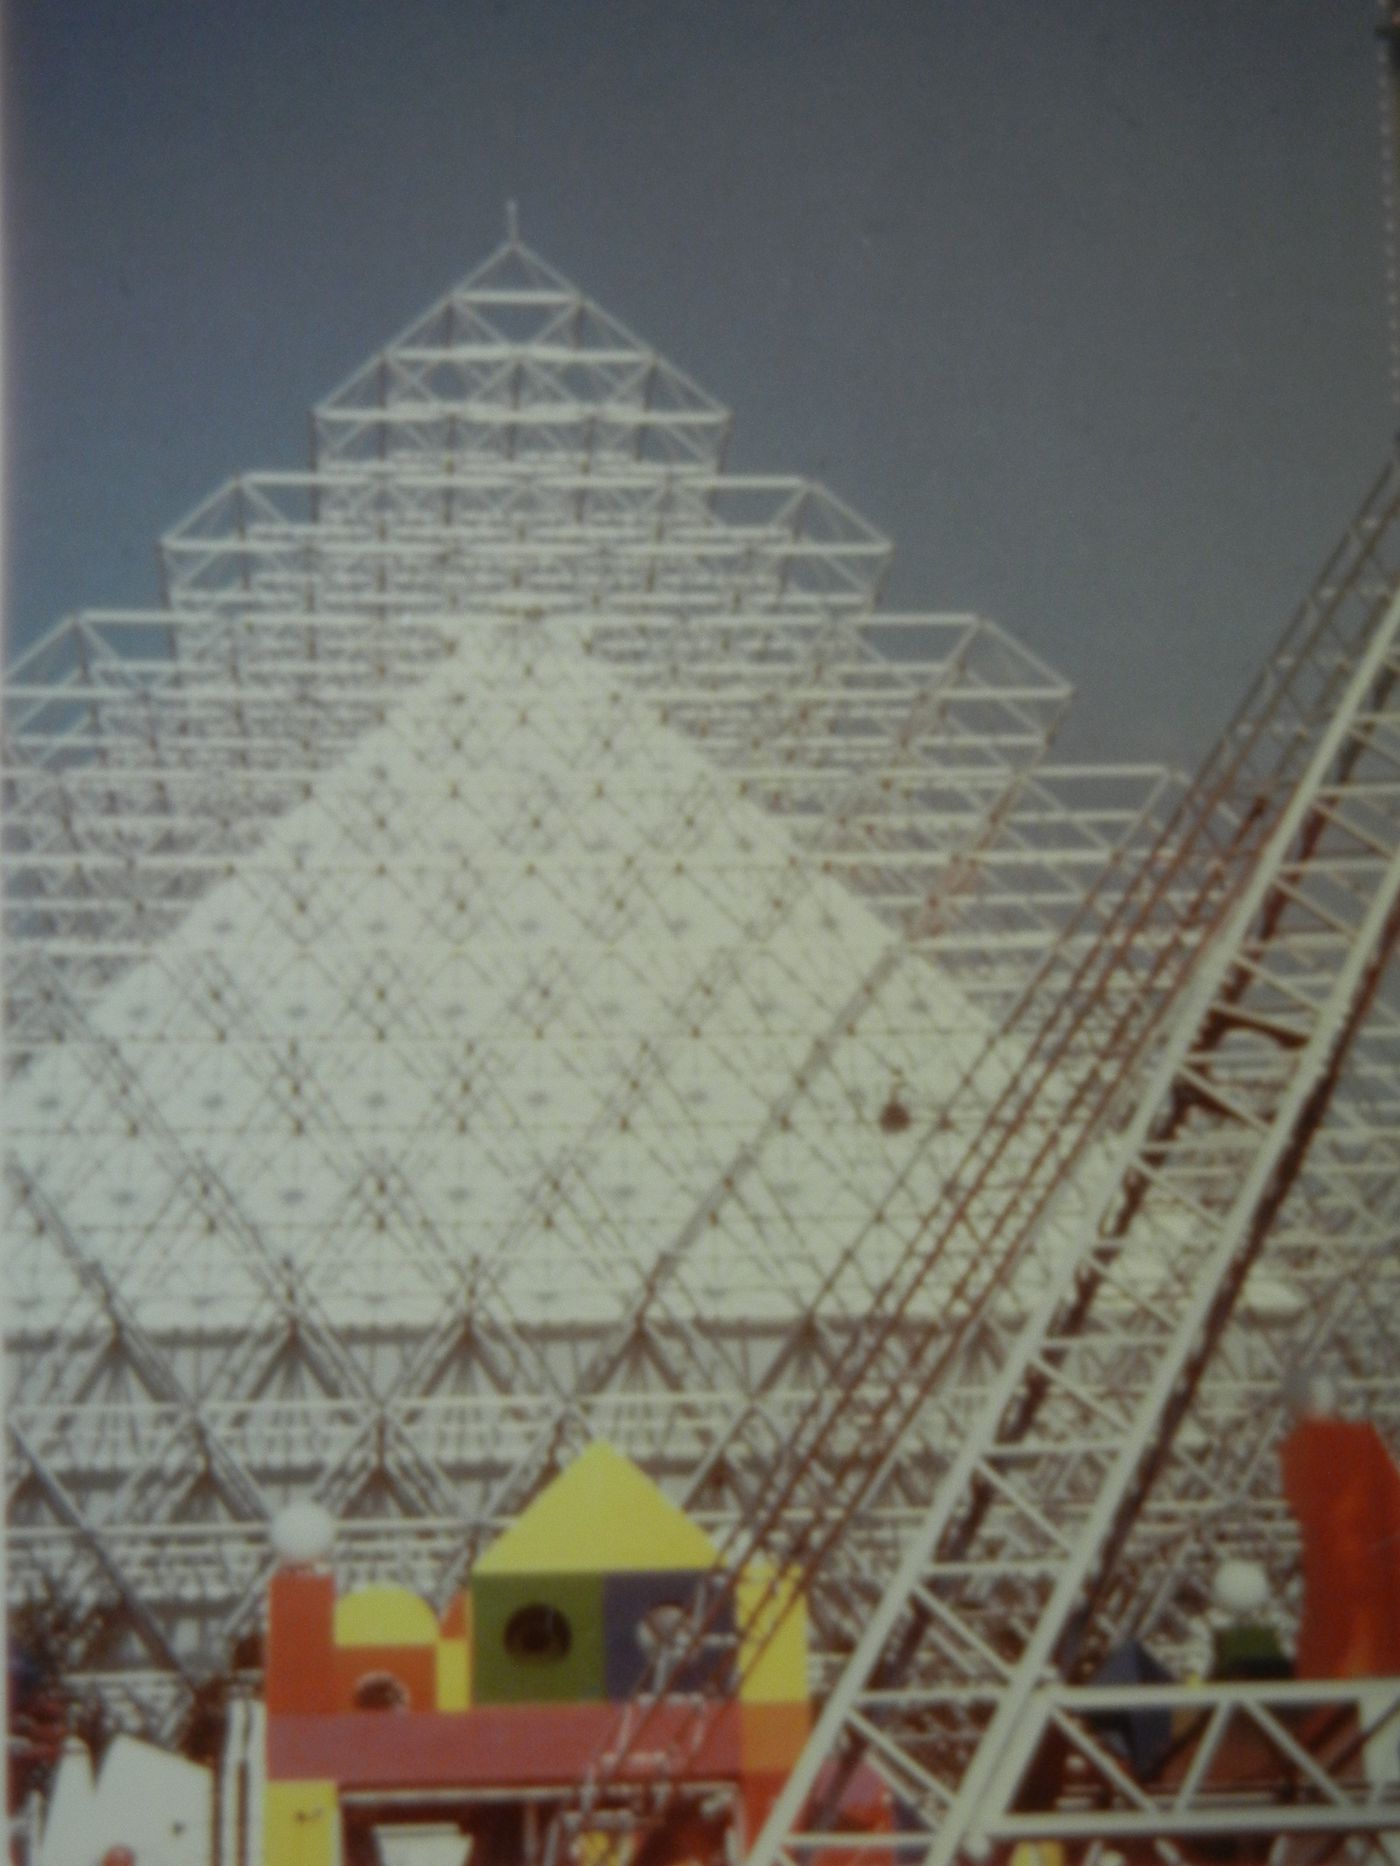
505, 955
1084, 1031
1270, 1764
1262, 1144
521, 948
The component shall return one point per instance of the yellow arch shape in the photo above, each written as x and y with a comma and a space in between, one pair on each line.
384, 1616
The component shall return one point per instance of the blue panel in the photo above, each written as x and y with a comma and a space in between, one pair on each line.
635, 1628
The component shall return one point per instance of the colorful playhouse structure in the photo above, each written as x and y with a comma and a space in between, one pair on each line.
603, 1594
602, 1641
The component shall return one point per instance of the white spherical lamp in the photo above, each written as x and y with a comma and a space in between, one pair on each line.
1240, 1587
302, 1533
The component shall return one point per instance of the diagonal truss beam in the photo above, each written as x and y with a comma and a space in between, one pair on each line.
1198, 1223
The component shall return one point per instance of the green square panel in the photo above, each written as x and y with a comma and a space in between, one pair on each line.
537, 1639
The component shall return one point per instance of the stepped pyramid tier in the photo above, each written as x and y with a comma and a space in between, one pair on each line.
503, 957
516, 365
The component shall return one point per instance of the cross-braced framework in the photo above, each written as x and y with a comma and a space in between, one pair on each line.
1240, 1221
491, 962
521, 948
1248, 1217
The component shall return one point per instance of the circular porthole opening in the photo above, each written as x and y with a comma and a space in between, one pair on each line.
538, 1635
380, 1691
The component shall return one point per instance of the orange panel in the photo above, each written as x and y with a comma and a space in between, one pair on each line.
456, 1621
772, 1736
300, 1609
758, 1793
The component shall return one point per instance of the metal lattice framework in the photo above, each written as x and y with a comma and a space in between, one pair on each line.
501, 957
1232, 1011
521, 947
1261, 1149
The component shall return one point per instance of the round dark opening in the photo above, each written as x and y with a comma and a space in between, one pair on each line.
380, 1691
538, 1635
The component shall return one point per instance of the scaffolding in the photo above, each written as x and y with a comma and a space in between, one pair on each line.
523, 948
482, 962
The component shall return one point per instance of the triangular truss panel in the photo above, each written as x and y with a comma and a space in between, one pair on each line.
516, 366
505, 956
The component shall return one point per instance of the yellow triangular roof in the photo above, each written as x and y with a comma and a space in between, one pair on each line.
600, 1516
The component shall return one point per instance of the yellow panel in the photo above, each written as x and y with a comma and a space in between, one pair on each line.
453, 1675
601, 1516
1038, 1853
597, 1846
779, 1673
384, 1616
301, 1824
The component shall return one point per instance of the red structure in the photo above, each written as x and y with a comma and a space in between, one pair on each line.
1344, 1488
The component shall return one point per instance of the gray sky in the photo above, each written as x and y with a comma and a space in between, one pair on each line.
1079, 300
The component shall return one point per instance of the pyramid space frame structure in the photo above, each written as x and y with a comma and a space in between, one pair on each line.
504, 956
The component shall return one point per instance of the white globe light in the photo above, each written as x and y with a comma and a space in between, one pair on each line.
1240, 1586
302, 1533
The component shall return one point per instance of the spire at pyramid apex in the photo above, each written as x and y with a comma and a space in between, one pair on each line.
518, 346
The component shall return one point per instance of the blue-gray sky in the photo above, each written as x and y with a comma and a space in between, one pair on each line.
1079, 300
